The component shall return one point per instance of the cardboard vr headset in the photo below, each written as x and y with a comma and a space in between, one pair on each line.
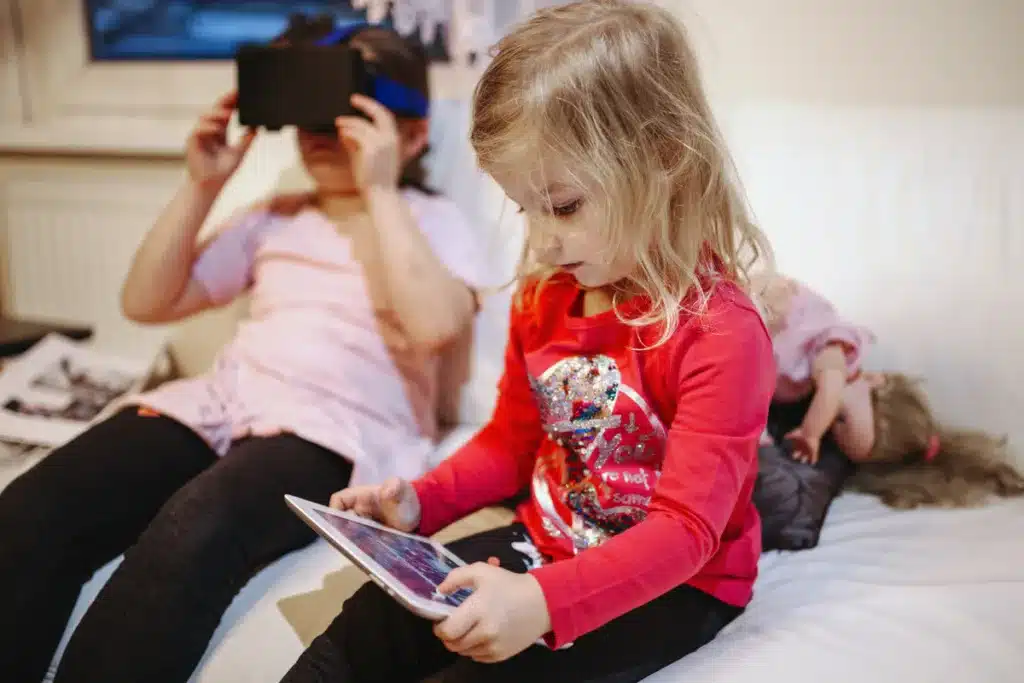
309, 86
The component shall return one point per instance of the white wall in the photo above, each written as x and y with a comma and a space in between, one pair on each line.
931, 53
882, 144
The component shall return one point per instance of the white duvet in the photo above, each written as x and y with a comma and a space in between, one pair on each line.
901, 597
931, 596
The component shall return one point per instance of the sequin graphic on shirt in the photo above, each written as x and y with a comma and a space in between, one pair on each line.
596, 478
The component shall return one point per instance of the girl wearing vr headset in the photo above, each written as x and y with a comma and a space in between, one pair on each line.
357, 289
638, 376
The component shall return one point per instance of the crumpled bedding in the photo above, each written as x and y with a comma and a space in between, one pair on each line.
792, 497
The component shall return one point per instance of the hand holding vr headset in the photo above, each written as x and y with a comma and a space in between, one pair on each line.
372, 144
314, 78
349, 83
208, 156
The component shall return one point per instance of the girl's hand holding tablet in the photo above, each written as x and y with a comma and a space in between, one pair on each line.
506, 613
393, 503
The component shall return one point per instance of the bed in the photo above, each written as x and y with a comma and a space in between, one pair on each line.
901, 597
907, 597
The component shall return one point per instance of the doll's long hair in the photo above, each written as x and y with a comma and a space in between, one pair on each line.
917, 461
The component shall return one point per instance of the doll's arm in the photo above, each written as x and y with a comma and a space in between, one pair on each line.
829, 375
854, 430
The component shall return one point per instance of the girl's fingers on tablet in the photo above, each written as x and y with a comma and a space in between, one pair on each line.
391, 488
375, 506
457, 625
363, 508
353, 498
474, 642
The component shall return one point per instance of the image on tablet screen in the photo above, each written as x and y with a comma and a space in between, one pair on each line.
416, 563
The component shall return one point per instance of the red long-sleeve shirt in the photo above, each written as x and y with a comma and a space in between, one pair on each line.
641, 463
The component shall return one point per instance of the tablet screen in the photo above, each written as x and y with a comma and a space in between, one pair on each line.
414, 562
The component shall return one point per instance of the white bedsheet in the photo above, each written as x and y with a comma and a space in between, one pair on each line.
902, 597
907, 597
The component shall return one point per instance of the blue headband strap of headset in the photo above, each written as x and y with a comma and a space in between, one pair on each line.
342, 33
399, 98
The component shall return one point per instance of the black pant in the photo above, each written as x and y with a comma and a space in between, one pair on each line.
194, 528
794, 498
375, 639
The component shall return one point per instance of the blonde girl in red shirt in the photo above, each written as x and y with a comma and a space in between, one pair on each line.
637, 381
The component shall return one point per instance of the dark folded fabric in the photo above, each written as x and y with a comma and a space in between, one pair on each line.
793, 498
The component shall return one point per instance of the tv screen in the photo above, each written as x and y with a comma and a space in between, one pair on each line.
177, 30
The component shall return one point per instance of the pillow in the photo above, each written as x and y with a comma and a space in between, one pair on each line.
792, 497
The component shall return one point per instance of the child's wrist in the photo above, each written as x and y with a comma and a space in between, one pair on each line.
543, 611
205, 192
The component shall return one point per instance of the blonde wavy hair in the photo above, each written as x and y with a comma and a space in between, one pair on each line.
612, 90
918, 461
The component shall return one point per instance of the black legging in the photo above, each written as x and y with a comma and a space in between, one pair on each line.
194, 528
376, 640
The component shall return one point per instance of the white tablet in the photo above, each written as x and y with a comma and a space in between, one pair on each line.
408, 567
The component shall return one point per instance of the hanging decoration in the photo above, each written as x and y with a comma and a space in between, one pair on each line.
473, 25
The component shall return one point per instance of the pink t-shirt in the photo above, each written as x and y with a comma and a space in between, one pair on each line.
317, 357
810, 324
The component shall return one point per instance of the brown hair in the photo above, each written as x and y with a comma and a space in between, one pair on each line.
401, 59
613, 90
916, 461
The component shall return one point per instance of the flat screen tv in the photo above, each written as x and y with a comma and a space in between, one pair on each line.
180, 30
